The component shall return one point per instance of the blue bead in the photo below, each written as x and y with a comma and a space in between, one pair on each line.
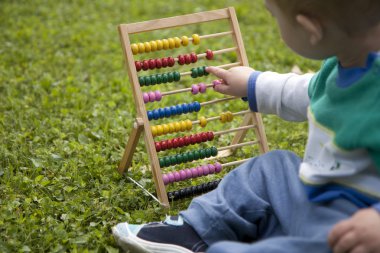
161, 112
191, 107
150, 115
185, 108
197, 106
167, 112
179, 109
173, 110
156, 114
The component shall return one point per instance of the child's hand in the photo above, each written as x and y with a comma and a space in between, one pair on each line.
234, 80
359, 234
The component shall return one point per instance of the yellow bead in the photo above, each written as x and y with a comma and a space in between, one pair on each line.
153, 45
202, 121
223, 117
189, 124
196, 39
177, 126
135, 48
141, 48
177, 42
183, 126
160, 130
184, 41
230, 116
171, 127
165, 44
154, 130
160, 45
171, 43
147, 47
165, 128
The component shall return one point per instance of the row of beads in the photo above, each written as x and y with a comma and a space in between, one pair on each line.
167, 112
160, 78
180, 142
200, 87
198, 72
226, 117
193, 190
155, 63
172, 127
199, 171
156, 45
187, 156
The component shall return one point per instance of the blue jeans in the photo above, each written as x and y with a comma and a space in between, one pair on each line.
261, 207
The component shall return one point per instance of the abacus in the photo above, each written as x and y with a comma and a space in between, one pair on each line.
141, 83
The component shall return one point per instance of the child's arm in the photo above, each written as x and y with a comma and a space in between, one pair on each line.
360, 233
283, 94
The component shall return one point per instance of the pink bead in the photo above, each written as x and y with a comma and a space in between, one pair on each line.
188, 173
152, 96
158, 95
165, 178
211, 168
206, 170
177, 176
194, 172
218, 167
202, 87
194, 89
171, 177
145, 97
215, 83
183, 175
200, 171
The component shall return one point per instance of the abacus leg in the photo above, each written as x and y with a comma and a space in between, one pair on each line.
263, 200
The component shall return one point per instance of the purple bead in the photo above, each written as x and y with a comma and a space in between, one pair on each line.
200, 171
171, 177
188, 173
206, 170
211, 168
215, 83
218, 167
194, 89
158, 95
145, 97
202, 87
177, 176
165, 178
183, 175
152, 96
194, 172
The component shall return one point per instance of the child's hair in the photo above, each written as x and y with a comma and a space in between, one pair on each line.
353, 16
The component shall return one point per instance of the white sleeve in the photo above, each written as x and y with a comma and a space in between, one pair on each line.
283, 94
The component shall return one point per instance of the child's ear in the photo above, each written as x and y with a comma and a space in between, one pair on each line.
312, 26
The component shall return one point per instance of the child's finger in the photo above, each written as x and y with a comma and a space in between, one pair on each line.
338, 231
222, 88
219, 72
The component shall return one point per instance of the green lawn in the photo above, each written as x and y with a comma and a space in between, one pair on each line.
66, 111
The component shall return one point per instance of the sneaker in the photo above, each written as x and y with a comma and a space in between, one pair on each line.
171, 236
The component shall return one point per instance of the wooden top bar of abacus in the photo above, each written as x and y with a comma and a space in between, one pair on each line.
176, 21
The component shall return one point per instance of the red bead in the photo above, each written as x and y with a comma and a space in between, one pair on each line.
192, 139
170, 144
152, 64
187, 59
204, 136
199, 138
164, 62
158, 63
171, 61
209, 54
181, 142
210, 136
138, 65
175, 143
181, 59
145, 65
194, 57
187, 140
164, 145
158, 146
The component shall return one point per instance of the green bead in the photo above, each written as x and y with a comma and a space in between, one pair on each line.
162, 162
185, 157
142, 80
202, 153
190, 156
194, 73
196, 154
173, 160
153, 80
177, 76
179, 158
147, 81
200, 71
214, 151
170, 77
208, 152
159, 78
164, 78
204, 71
167, 161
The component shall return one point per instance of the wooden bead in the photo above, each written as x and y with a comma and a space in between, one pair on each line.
194, 57
202, 121
138, 66
154, 130
210, 136
165, 129
171, 43
222, 117
184, 40
160, 130
147, 47
164, 62
194, 73
189, 124
160, 45
183, 126
177, 126
187, 59
165, 44
141, 48
153, 45
171, 127
170, 144
164, 145
181, 59
196, 39
177, 42
171, 61
158, 63
135, 49
177, 76
145, 65
209, 54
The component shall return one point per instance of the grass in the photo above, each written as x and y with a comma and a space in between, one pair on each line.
66, 110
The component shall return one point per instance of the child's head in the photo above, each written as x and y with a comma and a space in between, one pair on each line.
317, 28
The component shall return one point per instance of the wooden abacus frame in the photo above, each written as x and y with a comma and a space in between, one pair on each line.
142, 125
